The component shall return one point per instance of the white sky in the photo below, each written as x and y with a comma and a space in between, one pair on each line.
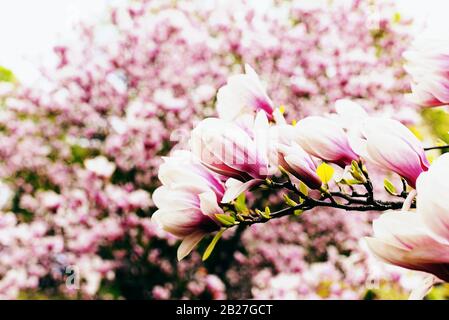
29, 28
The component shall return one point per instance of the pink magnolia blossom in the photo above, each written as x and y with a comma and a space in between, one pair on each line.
324, 139
419, 240
293, 158
186, 215
188, 200
183, 170
230, 150
390, 145
428, 64
243, 93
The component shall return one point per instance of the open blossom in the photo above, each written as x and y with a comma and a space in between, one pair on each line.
244, 93
186, 215
188, 200
390, 145
428, 64
419, 240
230, 150
325, 139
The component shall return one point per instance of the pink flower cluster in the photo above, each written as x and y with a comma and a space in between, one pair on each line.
79, 151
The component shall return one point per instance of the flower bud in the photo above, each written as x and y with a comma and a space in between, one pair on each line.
244, 93
324, 139
390, 145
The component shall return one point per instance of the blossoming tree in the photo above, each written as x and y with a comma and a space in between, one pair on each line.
82, 150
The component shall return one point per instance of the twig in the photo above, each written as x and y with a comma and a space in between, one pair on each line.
437, 148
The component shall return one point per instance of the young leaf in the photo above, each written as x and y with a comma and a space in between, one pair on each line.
389, 187
212, 244
289, 201
225, 220
240, 204
325, 172
263, 214
356, 172
303, 188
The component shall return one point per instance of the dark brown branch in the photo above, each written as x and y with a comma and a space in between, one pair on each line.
437, 148
312, 203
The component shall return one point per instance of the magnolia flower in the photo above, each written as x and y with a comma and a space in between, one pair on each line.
390, 145
292, 157
187, 215
349, 113
101, 166
229, 150
299, 163
418, 240
428, 64
188, 200
324, 139
244, 93
183, 170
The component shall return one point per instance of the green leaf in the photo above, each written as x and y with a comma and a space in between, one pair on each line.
325, 172
265, 214
6, 75
389, 187
350, 182
356, 172
225, 220
303, 188
289, 201
297, 212
212, 244
240, 204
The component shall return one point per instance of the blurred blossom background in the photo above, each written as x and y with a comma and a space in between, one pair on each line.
93, 93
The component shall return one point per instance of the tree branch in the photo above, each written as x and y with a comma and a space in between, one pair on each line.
312, 203
437, 148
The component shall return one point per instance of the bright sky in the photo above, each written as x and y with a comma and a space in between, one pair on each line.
29, 28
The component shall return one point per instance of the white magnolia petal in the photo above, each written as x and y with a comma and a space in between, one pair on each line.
425, 285
229, 104
188, 243
432, 201
234, 188
175, 199
180, 223
208, 203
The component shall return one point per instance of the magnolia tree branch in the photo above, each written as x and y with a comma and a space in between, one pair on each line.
348, 195
437, 148
352, 202
309, 204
